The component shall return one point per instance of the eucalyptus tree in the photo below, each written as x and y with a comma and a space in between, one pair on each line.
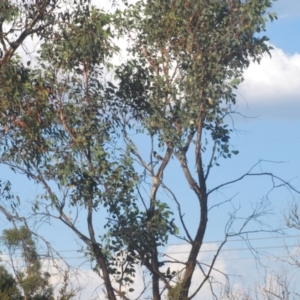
33, 283
29, 281
58, 127
66, 127
186, 59
8, 286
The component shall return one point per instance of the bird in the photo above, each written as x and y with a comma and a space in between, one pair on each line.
210, 101
157, 156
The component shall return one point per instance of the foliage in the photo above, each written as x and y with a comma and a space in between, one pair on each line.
32, 280
64, 292
21, 20
8, 286
187, 59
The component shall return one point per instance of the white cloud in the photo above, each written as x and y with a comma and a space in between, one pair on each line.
93, 285
84, 282
208, 250
275, 78
272, 88
88, 284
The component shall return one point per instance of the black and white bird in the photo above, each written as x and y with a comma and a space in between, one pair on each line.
157, 156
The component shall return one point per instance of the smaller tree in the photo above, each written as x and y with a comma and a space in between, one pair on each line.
33, 282
8, 286
29, 282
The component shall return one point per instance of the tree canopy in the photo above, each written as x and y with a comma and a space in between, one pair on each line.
75, 132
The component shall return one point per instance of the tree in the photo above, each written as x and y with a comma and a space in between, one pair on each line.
33, 282
66, 127
39, 114
188, 57
8, 286
29, 275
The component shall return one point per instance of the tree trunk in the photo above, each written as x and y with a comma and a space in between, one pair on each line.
192, 260
101, 261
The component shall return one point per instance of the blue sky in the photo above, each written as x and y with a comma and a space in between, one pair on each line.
270, 96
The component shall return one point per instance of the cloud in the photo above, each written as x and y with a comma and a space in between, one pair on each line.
93, 286
271, 89
86, 283
208, 250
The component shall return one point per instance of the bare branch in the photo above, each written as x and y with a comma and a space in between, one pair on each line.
283, 182
190, 240
221, 203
